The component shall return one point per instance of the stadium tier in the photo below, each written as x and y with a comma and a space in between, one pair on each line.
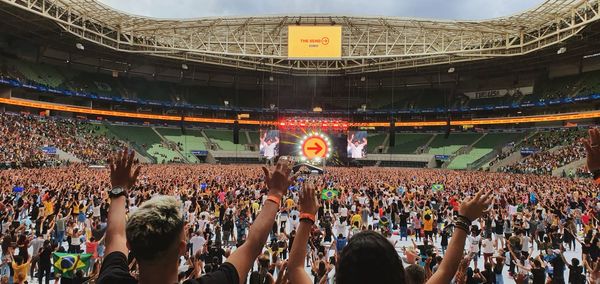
442, 145
376, 143
408, 143
148, 141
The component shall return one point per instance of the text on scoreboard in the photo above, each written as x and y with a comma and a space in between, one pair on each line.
314, 42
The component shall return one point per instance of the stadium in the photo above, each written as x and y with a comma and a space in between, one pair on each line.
467, 147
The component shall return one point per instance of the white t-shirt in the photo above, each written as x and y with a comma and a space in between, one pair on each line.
525, 243
197, 243
341, 228
487, 246
269, 150
344, 211
474, 243
96, 211
356, 151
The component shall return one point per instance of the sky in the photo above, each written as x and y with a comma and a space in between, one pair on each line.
432, 9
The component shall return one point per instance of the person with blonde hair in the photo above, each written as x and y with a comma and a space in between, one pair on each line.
155, 233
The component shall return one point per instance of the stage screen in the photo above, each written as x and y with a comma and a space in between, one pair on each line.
314, 42
357, 144
290, 145
269, 143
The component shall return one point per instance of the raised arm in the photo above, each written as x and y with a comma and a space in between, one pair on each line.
470, 210
121, 175
592, 147
308, 206
364, 142
278, 182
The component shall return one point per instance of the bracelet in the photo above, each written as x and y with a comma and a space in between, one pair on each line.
275, 199
307, 216
465, 219
462, 227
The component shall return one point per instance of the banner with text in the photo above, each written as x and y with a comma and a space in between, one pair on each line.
315, 42
500, 93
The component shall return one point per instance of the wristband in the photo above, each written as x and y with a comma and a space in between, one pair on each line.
461, 226
467, 220
275, 199
307, 216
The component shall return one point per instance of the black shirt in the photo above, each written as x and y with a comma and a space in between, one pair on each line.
115, 271
539, 275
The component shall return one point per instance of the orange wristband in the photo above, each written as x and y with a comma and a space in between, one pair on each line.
275, 199
308, 216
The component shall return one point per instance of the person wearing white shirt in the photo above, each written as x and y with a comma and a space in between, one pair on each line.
197, 241
340, 227
344, 213
474, 240
268, 146
488, 249
356, 147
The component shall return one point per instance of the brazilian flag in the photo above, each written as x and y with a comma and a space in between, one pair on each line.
327, 194
437, 187
67, 264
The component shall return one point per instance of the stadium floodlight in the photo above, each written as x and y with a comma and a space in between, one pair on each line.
451, 70
591, 55
184, 66
226, 103
561, 50
79, 46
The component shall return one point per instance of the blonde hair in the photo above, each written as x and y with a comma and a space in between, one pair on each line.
155, 227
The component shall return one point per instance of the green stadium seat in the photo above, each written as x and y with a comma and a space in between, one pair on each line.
408, 143
374, 141
145, 140
224, 139
193, 140
495, 140
461, 162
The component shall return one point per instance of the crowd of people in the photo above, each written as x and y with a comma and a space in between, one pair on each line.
551, 150
30, 140
389, 225
531, 222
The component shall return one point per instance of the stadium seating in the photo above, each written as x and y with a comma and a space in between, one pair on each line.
447, 146
193, 140
494, 140
408, 143
461, 162
374, 142
147, 141
484, 146
254, 137
224, 139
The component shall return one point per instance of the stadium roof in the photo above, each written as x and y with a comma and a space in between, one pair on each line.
369, 44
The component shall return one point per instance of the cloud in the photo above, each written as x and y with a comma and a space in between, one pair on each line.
436, 9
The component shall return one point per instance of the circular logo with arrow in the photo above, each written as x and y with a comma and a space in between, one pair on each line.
315, 146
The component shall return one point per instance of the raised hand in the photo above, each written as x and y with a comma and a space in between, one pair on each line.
282, 276
279, 180
120, 169
308, 202
592, 147
474, 207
